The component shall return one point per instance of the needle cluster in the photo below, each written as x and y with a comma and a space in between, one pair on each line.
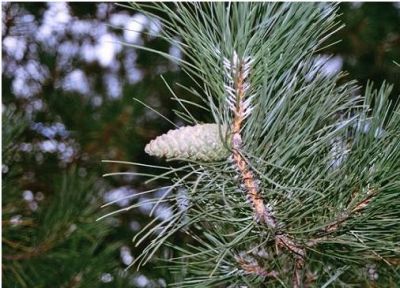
318, 161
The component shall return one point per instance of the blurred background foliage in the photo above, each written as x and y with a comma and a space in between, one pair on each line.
68, 85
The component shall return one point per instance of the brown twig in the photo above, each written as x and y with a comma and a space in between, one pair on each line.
262, 212
297, 279
334, 226
75, 281
285, 241
251, 266
36, 251
28, 252
20, 223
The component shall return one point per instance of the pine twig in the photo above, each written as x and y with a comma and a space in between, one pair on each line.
251, 266
334, 226
297, 279
29, 252
238, 71
34, 252
75, 281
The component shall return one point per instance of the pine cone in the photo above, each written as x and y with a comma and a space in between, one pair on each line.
199, 142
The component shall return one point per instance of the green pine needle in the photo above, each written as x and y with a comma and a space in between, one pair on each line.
327, 158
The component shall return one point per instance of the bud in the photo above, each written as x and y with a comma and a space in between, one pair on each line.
199, 142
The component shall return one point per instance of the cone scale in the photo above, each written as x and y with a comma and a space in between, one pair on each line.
200, 142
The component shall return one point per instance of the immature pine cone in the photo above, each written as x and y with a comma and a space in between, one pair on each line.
199, 142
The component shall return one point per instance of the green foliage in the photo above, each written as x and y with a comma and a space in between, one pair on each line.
14, 125
326, 158
100, 125
50, 238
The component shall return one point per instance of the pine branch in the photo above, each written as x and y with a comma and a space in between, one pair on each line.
298, 143
334, 226
237, 73
30, 252
237, 88
250, 266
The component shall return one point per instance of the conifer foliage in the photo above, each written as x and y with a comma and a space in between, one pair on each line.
308, 193
60, 243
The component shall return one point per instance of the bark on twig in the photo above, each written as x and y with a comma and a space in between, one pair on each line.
334, 226
241, 108
251, 266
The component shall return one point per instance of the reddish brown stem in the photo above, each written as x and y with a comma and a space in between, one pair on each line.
335, 225
261, 212
252, 267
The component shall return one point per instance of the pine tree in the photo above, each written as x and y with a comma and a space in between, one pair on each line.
308, 194
51, 238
